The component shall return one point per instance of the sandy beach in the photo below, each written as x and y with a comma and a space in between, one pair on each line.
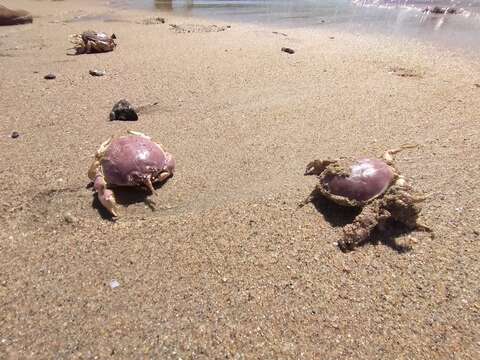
227, 265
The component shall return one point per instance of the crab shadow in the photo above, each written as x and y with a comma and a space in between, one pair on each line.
391, 232
126, 196
340, 216
336, 215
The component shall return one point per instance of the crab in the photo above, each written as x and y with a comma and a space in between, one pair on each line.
93, 42
131, 160
373, 185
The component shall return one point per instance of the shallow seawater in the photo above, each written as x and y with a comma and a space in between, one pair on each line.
392, 17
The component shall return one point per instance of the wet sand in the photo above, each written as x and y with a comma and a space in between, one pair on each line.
227, 265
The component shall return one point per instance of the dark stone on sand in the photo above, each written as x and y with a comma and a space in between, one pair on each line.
124, 111
288, 50
14, 17
14, 135
50, 77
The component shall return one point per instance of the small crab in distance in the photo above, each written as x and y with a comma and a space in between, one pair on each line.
132, 160
93, 42
372, 185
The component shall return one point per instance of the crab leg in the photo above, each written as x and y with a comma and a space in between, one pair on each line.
360, 230
138, 133
148, 183
388, 155
316, 167
105, 195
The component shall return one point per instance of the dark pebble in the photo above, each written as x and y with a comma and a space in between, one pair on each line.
96, 72
123, 110
50, 77
14, 135
288, 50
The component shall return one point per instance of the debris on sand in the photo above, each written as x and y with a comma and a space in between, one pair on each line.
14, 135
114, 284
442, 10
197, 28
123, 110
372, 185
50, 77
69, 218
405, 72
153, 21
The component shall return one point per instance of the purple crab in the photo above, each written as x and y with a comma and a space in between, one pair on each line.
373, 185
132, 160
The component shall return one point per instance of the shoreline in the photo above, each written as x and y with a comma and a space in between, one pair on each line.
227, 264
451, 31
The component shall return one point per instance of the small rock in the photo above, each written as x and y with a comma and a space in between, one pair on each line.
114, 284
14, 135
123, 110
476, 85
96, 72
50, 77
69, 218
288, 50
331, 37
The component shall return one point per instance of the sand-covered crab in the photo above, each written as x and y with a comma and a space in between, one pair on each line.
131, 160
93, 42
373, 185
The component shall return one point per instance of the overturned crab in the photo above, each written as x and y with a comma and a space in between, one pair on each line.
374, 186
132, 160
93, 42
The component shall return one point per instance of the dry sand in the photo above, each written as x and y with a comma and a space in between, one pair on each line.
227, 265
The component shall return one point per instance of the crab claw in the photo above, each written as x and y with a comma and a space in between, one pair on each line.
105, 196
